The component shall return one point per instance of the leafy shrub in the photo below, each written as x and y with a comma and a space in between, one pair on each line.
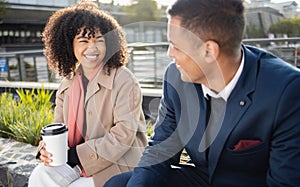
23, 118
149, 129
6, 113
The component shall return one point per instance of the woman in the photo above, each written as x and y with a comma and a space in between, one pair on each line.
99, 99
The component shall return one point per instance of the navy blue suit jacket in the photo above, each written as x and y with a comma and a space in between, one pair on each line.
264, 106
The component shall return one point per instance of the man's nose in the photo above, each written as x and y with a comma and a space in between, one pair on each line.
171, 52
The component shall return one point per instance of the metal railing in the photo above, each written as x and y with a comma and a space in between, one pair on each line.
286, 48
29, 65
148, 61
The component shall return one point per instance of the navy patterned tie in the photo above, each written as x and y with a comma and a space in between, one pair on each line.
217, 113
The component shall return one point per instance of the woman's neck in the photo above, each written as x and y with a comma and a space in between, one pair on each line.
88, 73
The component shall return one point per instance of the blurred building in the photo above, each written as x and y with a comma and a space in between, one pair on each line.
289, 9
24, 21
261, 14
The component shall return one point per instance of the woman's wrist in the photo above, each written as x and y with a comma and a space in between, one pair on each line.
73, 158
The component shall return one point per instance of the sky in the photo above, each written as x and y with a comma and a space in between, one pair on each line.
167, 2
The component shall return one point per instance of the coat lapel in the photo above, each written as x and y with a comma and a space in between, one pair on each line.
101, 79
237, 104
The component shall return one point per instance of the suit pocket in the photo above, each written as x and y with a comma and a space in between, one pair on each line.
254, 149
245, 144
253, 160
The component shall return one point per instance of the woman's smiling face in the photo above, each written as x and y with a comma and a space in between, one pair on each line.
89, 50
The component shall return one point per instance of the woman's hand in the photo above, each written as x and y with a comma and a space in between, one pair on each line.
43, 155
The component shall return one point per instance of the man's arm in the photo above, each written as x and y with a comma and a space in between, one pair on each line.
164, 146
285, 147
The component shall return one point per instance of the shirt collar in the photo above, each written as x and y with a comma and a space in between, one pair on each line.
225, 93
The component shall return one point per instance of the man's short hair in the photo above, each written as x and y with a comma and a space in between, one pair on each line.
222, 21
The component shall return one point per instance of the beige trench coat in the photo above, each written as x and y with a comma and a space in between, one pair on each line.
115, 123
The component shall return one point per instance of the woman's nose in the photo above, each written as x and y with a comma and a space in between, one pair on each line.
92, 46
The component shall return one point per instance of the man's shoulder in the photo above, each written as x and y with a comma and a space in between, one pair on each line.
271, 69
172, 72
269, 62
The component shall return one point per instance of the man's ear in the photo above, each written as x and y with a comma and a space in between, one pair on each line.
212, 51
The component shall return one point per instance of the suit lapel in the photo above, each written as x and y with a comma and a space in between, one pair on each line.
194, 106
237, 104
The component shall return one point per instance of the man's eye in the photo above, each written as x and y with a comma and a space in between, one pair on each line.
100, 41
172, 45
83, 41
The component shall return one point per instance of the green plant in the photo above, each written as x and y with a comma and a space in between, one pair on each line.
23, 118
149, 129
28, 65
7, 105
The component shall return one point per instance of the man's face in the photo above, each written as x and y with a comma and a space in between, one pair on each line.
187, 50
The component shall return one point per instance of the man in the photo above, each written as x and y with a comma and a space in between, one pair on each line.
250, 133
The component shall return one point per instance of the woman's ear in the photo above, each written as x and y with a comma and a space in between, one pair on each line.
212, 51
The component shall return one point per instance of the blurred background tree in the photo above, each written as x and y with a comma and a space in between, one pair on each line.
2, 9
143, 10
253, 32
290, 27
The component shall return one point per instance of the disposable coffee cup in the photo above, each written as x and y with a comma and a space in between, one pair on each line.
55, 137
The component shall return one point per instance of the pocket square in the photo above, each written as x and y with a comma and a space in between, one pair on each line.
245, 144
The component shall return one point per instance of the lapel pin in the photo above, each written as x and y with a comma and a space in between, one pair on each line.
242, 103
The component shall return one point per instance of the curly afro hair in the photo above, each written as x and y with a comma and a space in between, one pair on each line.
66, 23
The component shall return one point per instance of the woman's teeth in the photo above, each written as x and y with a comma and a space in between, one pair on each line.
91, 57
